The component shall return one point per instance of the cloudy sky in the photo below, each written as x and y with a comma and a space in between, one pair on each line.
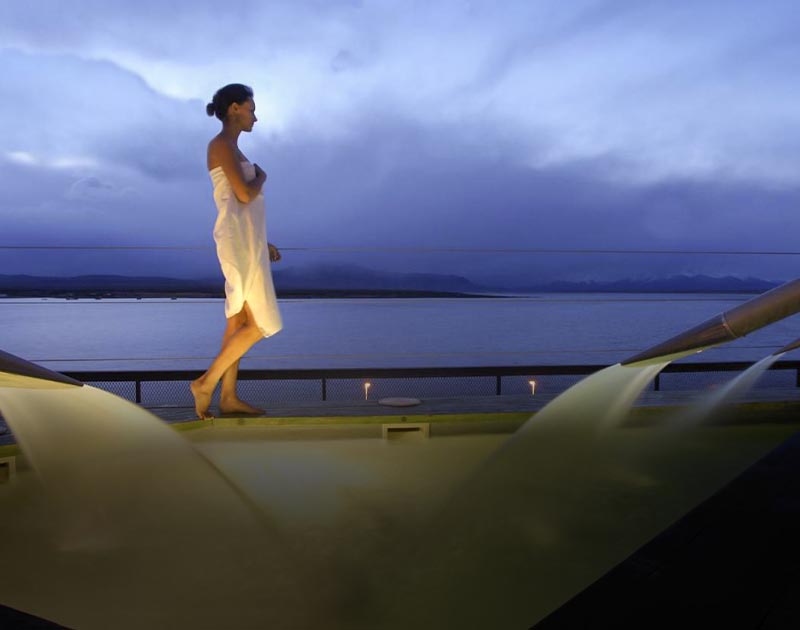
589, 124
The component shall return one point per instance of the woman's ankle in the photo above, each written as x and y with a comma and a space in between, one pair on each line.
226, 397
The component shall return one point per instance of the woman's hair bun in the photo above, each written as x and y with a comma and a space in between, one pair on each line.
226, 96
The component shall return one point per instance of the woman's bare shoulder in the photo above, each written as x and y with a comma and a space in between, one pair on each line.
218, 150
217, 144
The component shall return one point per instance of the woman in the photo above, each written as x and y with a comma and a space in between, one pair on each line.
244, 254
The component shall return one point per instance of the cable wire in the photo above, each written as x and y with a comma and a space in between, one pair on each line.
406, 250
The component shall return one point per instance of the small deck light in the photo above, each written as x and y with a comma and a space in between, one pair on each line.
367, 385
533, 387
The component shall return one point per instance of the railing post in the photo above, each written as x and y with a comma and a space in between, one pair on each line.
797, 377
324, 388
657, 383
499, 384
138, 391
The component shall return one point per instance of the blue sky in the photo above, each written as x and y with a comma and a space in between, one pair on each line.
537, 124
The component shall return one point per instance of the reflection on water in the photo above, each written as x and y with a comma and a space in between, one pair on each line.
542, 329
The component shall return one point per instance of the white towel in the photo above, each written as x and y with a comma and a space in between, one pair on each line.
241, 237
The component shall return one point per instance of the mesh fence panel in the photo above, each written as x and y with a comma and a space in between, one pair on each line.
424, 387
265, 391
123, 389
158, 393
177, 393
546, 384
676, 381
280, 390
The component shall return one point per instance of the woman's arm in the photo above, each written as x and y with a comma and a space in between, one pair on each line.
222, 153
274, 254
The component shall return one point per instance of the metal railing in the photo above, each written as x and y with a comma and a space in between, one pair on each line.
495, 373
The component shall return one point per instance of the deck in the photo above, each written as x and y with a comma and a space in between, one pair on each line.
471, 407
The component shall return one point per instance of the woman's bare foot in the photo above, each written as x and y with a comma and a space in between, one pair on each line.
202, 400
234, 405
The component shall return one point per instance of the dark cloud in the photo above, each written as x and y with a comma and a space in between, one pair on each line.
97, 109
401, 185
531, 35
597, 125
198, 31
96, 156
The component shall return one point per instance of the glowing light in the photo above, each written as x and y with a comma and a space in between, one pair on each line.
367, 385
533, 387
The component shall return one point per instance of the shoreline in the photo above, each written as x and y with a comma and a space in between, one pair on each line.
285, 294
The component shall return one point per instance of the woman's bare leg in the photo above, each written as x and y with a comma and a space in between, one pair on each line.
229, 401
239, 342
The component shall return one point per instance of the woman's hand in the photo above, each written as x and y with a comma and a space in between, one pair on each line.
259, 171
274, 254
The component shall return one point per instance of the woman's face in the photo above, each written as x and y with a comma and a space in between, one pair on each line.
245, 114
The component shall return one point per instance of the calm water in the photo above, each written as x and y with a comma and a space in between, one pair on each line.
536, 329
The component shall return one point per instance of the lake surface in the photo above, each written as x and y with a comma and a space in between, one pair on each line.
149, 334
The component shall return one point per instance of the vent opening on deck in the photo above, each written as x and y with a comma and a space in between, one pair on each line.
8, 468
406, 429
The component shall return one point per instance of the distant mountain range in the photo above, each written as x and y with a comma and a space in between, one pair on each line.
349, 277
340, 280
671, 284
